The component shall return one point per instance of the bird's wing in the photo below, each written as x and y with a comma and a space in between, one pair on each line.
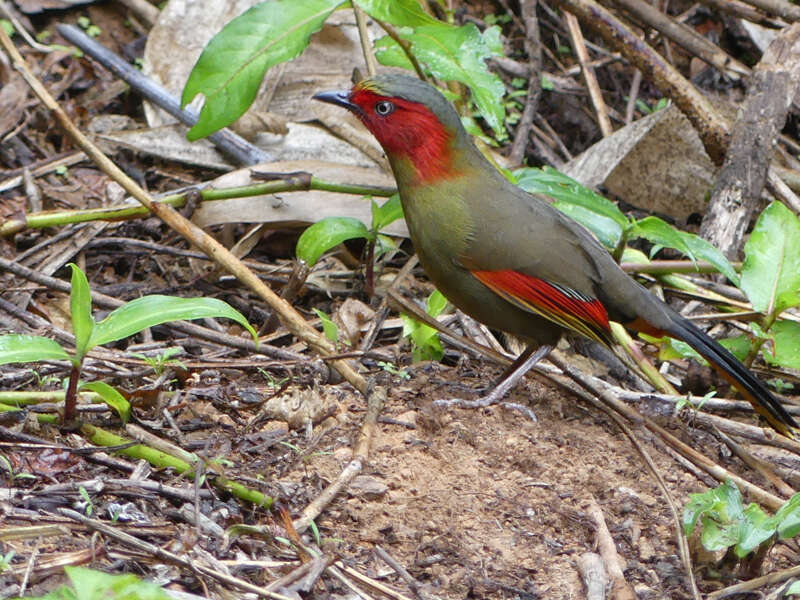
539, 260
561, 305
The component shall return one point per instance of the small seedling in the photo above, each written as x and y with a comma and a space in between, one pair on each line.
159, 362
394, 369
88, 584
6, 464
125, 321
424, 338
328, 233
87, 500
742, 530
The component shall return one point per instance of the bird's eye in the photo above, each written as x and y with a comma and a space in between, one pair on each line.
384, 108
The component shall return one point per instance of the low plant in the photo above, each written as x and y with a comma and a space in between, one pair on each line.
89, 584
127, 320
743, 531
328, 233
425, 341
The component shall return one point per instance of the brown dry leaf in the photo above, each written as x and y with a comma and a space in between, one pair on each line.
13, 95
663, 145
298, 407
295, 208
353, 318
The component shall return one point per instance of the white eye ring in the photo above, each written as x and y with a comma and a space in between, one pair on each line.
384, 108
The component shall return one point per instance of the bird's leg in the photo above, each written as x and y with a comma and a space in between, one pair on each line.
524, 363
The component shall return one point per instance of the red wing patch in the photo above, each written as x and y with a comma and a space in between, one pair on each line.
562, 305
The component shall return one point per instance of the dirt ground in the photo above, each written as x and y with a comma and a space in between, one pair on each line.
474, 504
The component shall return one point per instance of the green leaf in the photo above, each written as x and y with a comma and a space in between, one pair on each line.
606, 230
112, 397
329, 328
94, 585
756, 528
788, 518
794, 589
30, 348
149, 311
550, 182
723, 503
80, 306
453, 54
403, 13
387, 213
704, 250
424, 338
232, 65
436, 304
326, 234
786, 338
661, 233
718, 536
771, 270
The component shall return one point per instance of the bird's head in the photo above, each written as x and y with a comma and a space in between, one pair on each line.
412, 121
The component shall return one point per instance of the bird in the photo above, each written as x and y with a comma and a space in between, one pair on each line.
507, 257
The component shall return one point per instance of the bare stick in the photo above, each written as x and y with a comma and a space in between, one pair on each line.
293, 320
595, 94
738, 188
375, 401
620, 589
533, 46
686, 37
593, 574
780, 8
366, 45
712, 128
229, 143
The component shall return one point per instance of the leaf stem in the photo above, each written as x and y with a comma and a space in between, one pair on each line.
70, 397
123, 213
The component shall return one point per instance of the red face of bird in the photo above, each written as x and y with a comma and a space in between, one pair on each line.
402, 113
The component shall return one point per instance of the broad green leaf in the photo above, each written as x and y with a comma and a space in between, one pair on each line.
112, 397
402, 13
149, 311
387, 213
424, 338
326, 234
383, 244
80, 305
453, 54
94, 585
771, 270
756, 528
786, 338
670, 348
232, 65
788, 518
718, 536
794, 589
606, 230
550, 182
704, 250
329, 328
436, 304
661, 233
30, 348
723, 502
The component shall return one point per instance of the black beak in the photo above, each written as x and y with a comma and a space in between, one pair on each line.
339, 98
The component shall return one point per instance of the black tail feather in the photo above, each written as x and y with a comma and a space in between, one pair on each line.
763, 401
